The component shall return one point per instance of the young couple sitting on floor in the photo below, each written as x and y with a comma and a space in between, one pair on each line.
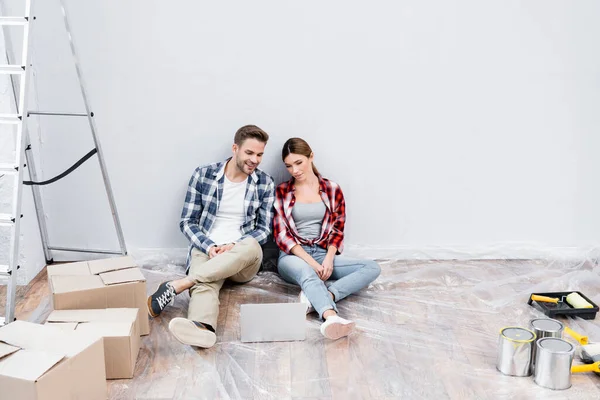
229, 210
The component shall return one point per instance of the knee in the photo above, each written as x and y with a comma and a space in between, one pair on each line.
308, 275
373, 269
254, 247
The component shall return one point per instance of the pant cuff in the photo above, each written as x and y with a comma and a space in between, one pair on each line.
330, 307
335, 293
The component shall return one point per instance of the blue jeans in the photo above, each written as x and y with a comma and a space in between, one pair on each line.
349, 276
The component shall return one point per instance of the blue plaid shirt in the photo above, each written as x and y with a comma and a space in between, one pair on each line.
204, 193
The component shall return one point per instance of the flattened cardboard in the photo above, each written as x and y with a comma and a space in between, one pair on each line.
109, 283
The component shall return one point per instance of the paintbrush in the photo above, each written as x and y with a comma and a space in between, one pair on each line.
590, 354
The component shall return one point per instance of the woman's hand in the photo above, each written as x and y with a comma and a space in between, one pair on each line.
318, 269
298, 251
327, 267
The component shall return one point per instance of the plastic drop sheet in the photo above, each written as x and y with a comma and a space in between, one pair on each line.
425, 330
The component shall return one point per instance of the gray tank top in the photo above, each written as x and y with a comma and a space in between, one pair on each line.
308, 218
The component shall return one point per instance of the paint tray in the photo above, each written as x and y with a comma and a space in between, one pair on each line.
563, 308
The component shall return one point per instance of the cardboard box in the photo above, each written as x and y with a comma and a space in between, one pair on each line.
118, 327
108, 283
43, 363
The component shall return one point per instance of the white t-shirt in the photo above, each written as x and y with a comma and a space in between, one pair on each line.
230, 216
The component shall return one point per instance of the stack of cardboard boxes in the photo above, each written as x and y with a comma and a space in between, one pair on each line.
92, 335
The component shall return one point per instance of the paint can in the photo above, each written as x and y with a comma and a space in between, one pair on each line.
544, 327
515, 345
553, 363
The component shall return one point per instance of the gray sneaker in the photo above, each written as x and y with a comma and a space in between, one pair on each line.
164, 296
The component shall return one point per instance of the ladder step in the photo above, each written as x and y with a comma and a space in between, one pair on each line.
8, 169
12, 69
10, 119
6, 220
4, 270
13, 21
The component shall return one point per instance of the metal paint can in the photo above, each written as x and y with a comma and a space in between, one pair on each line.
544, 327
553, 363
515, 345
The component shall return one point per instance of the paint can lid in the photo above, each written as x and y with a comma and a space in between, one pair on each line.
547, 325
517, 334
556, 345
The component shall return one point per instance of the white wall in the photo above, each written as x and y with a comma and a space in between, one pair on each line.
454, 128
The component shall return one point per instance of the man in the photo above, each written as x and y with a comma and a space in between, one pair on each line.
226, 216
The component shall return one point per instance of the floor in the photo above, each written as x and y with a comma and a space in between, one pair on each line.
426, 330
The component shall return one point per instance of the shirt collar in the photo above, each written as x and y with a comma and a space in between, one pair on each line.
221, 171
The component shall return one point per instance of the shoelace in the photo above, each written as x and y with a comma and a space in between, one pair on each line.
165, 298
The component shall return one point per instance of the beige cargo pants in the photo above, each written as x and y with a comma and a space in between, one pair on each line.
240, 264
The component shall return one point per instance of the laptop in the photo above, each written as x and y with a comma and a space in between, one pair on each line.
274, 322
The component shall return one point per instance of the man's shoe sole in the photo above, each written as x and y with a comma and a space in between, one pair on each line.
150, 312
188, 333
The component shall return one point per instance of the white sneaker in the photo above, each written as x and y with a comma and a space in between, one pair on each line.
336, 327
304, 300
187, 332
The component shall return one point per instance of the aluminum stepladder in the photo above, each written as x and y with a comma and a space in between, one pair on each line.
23, 149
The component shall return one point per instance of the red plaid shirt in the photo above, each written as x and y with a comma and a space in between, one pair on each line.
332, 231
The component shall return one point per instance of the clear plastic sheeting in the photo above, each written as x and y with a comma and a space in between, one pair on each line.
425, 330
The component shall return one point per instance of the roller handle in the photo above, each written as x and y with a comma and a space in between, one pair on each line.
583, 340
544, 299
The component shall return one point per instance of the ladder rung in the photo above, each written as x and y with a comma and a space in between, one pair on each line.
99, 251
12, 69
4, 270
13, 21
8, 169
10, 119
61, 114
1, 322
6, 220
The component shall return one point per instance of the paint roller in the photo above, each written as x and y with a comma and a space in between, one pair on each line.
574, 299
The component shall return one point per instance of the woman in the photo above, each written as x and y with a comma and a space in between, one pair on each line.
309, 230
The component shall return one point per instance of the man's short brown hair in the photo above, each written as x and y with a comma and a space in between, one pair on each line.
250, 132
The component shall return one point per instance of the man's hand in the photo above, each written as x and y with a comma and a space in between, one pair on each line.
226, 247
327, 267
216, 250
